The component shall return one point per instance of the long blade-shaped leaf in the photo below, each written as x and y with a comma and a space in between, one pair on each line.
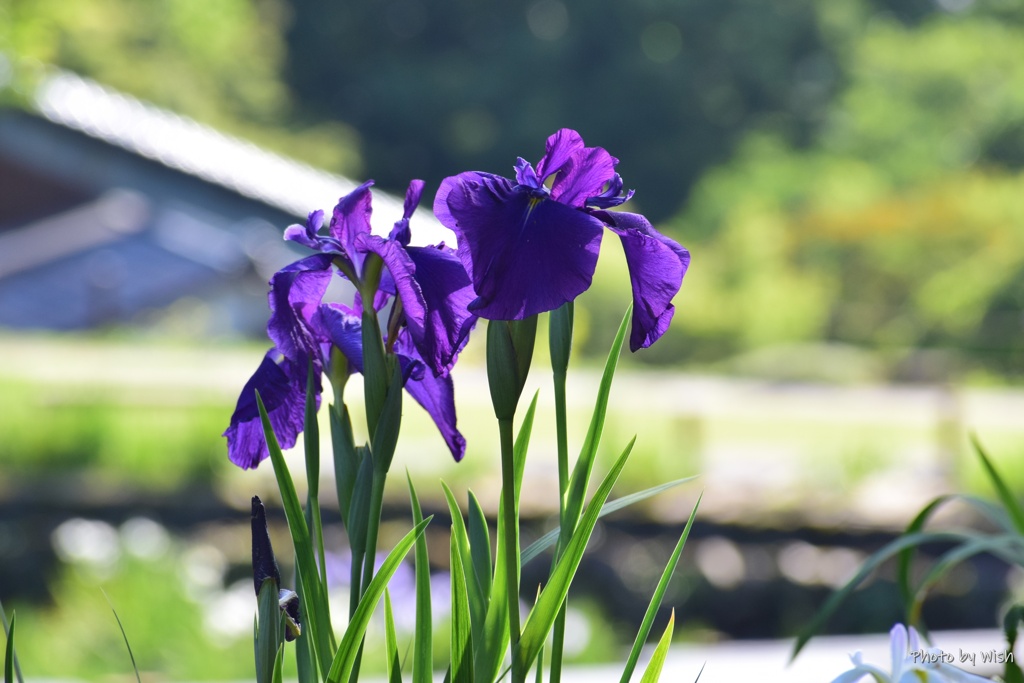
1007, 546
1006, 496
394, 665
124, 635
870, 564
522, 443
318, 623
311, 443
345, 659
653, 671
580, 479
490, 653
659, 594
462, 631
542, 616
480, 546
9, 656
12, 656
460, 540
548, 539
423, 639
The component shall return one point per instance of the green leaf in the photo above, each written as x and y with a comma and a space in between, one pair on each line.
9, 656
268, 631
870, 564
311, 436
479, 547
423, 639
311, 442
462, 632
389, 424
580, 479
1008, 546
344, 661
542, 616
124, 635
322, 636
460, 538
394, 665
1002, 490
11, 660
653, 671
659, 594
279, 665
490, 653
1012, 672
359, 516
376, 376
522, 443
346, 458
548, 539
304, 662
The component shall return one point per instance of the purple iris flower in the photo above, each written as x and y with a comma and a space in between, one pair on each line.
429, 290
531, 246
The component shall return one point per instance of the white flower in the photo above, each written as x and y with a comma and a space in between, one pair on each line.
910, 663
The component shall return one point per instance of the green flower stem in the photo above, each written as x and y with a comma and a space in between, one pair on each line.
560, 324
511, 519
372, 527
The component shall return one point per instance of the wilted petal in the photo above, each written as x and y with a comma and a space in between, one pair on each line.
525, 254
657, 265
282, 386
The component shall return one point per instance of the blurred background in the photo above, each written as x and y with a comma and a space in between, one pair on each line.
849, 178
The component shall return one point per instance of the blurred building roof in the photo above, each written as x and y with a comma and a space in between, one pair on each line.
112, 209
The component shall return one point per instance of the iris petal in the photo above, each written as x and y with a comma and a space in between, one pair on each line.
282, 387
557, 150
351, 218
583, 175
295, 293
657, 265
525, 254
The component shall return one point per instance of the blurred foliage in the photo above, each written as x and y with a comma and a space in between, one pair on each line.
900, 226
436, 88
846, 174
163, 618
218, 62
123, 437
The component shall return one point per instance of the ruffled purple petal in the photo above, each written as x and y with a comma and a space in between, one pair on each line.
557, 150
296, 292
448, 292
525, 254
437, 396
612, 196
306, 235
282, 386
525, 175
657, 265
344, 328
583, 175
435, 292
401, 232
351, 218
